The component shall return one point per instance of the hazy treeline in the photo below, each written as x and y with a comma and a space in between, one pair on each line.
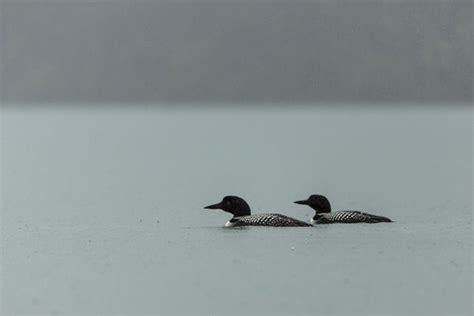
244, 51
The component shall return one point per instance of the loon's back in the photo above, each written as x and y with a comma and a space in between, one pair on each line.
271, 219
348, 217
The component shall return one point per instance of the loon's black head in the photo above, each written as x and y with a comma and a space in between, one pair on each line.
317, 202
232, 204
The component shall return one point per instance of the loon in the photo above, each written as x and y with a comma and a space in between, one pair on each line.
324, 216
241, 211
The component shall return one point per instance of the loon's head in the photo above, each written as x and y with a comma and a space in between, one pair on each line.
232, 204
317, 202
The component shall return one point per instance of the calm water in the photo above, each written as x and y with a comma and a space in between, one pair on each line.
102, 213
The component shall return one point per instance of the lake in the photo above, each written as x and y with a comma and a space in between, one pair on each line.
102, 209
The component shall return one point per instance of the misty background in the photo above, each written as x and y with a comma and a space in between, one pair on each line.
243, 51
101, 207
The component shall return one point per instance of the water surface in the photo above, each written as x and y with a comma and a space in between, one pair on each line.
101, 210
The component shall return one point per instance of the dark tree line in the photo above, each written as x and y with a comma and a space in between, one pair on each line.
244, 51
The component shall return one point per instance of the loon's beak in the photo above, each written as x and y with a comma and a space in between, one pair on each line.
214, 206
304, 202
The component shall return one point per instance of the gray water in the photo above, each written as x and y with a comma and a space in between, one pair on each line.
101, 210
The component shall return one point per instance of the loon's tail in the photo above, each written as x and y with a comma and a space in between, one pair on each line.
377, 219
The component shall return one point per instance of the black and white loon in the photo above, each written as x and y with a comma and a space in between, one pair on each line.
323, 215
242, 217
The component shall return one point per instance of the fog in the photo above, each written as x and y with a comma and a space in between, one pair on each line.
101, 207
236, 51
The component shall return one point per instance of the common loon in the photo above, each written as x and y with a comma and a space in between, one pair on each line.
323, 215
241, 211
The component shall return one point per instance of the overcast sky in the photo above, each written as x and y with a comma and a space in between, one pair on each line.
236, 51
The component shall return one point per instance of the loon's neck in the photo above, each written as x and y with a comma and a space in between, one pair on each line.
234, 221
321, 212
319, 215
321, 219
231, 222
